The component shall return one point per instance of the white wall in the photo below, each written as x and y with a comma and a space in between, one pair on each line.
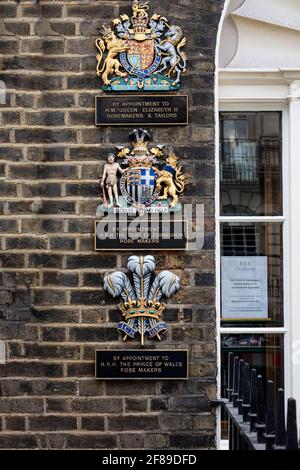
261, 33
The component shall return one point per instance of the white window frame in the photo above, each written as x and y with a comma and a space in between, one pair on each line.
268, 90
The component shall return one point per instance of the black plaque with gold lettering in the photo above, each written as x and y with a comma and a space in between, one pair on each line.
141, 364
142, 110
141, 235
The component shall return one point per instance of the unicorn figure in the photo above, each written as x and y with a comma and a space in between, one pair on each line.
141, 305
174, 57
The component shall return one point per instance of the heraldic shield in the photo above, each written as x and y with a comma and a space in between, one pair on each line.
140, 57
140, 185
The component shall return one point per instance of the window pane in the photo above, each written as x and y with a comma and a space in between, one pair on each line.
252, 274
250, 164
263, 352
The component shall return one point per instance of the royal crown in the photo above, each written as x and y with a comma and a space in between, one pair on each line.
139, 24
106, 31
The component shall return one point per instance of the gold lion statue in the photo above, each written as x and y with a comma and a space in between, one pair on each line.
171, 180
114, 47
140, 9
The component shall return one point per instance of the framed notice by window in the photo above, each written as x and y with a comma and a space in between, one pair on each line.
244, 287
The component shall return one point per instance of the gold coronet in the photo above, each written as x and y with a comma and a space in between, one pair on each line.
106, 31
142, 308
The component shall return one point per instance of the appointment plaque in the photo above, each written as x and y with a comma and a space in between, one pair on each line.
138, 110
142, 235
141, 364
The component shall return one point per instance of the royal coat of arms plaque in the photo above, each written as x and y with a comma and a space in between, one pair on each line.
145, 180
141, 52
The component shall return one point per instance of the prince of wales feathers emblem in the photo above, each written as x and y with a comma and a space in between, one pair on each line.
141, 52
141, 305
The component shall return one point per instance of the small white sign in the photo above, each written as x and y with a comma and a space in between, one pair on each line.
2, 353
2, 92
244, 287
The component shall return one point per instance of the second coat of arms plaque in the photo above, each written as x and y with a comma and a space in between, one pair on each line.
141, 184
145, 180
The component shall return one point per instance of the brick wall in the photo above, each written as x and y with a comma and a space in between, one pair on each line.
51, 157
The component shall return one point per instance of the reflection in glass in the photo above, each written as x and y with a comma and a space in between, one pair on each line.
250, 163
257, 239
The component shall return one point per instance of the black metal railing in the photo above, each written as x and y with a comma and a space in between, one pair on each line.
255, 421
